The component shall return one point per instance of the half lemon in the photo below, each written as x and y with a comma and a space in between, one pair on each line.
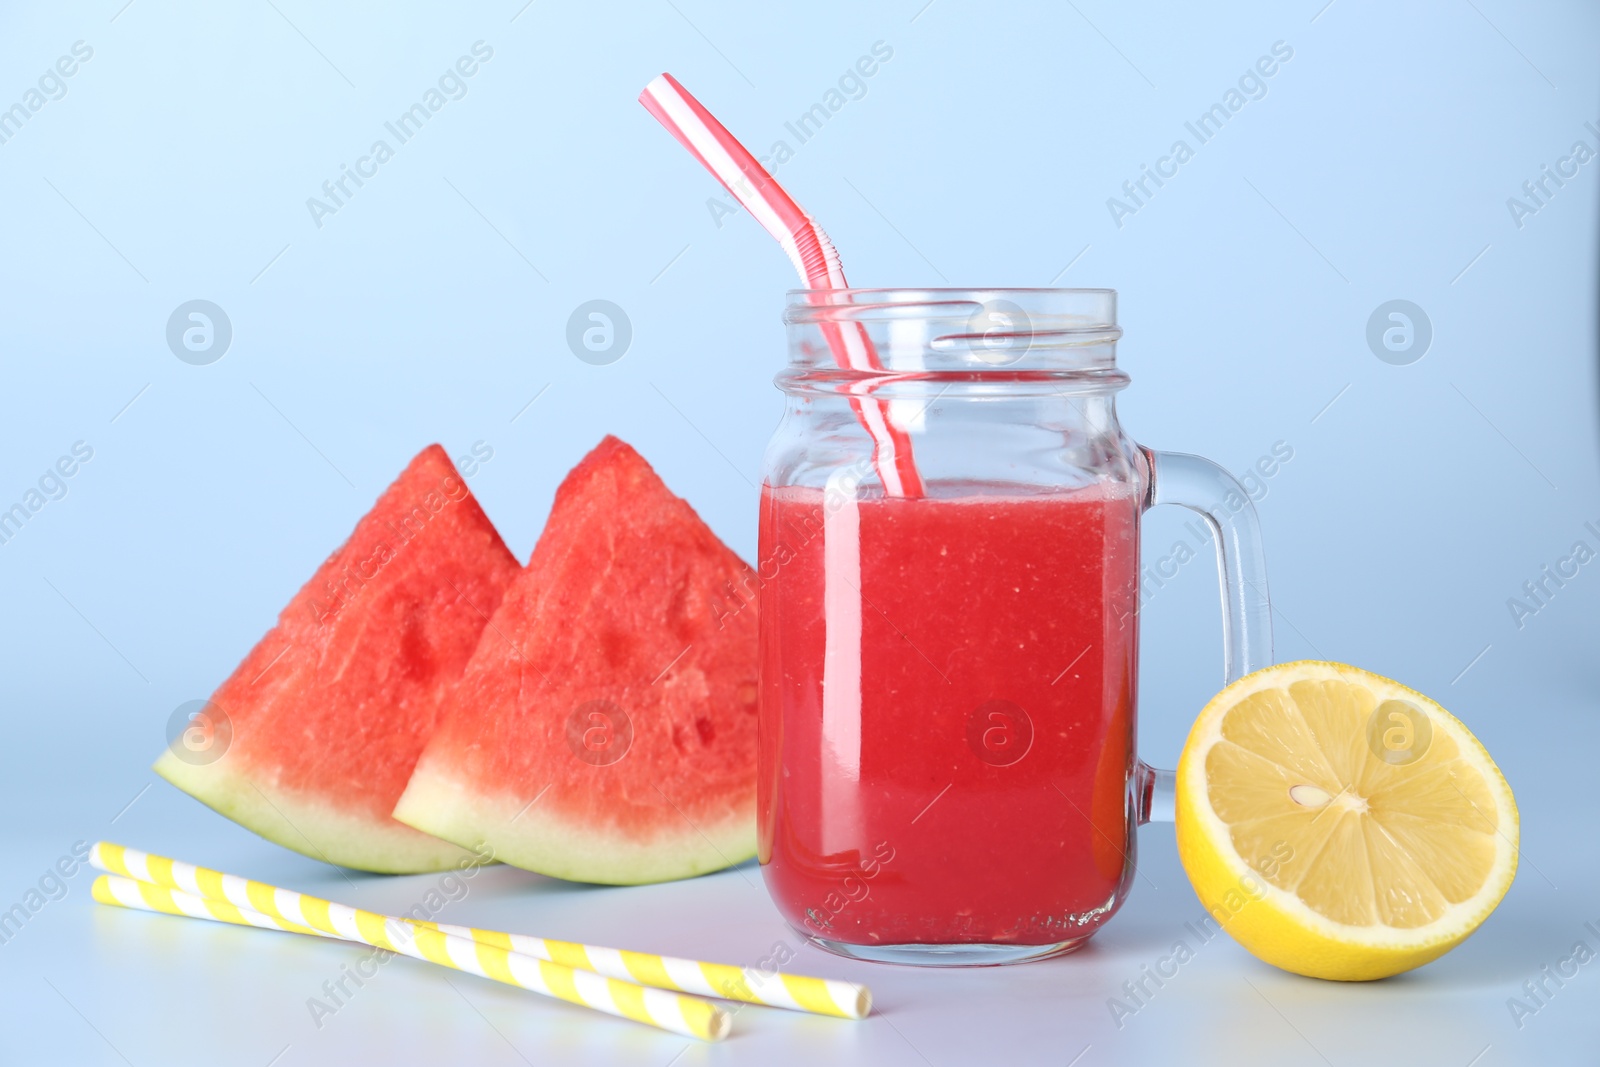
1340, 825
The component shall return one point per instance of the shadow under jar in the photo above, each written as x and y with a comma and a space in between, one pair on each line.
948, 672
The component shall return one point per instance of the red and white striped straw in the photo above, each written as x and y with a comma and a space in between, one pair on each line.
808, 248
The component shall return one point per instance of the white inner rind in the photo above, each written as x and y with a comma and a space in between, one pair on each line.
436, 803
309, 826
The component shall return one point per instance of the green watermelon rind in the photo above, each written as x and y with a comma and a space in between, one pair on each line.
544, 843
311, 829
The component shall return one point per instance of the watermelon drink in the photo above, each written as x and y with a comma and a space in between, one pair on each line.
958, 772
948, 582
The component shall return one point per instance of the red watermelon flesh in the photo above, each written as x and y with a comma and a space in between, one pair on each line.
605, 730
330, 710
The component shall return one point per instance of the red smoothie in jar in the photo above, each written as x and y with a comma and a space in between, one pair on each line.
947, 686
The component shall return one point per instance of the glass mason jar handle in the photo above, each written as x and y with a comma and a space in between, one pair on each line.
1203, 487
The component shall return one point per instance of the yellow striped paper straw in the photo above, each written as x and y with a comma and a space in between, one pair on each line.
821, 996
128, 893
674, 1012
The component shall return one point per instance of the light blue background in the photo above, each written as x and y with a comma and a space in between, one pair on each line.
433, 306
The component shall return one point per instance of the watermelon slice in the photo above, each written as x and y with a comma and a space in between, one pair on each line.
605, 730
331, 708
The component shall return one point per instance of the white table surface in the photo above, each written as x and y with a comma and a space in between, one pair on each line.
84, 984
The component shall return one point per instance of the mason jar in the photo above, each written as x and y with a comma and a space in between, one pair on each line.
949, 608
